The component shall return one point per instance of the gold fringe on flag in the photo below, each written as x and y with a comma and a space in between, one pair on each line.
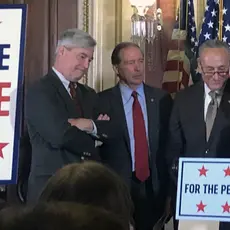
220, 19
179, 40
178, 44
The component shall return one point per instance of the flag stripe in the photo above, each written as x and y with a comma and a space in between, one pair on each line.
177, 70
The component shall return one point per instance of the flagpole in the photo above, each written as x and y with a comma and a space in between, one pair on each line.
220, 19
179, 41
178, 46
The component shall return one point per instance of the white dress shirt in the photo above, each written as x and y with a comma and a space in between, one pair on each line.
207, 99
65, 82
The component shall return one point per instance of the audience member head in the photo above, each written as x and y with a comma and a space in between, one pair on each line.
90, 183
128, 63
59, 216
74, 52
213, 63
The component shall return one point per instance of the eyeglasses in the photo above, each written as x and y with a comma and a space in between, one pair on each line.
221, 73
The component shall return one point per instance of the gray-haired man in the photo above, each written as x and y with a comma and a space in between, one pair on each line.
200, 119
61, 114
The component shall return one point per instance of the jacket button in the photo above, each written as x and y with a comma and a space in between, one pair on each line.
87, 154
207, 150
82, 158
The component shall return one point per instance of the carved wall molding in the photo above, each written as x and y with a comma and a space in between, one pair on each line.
102, 19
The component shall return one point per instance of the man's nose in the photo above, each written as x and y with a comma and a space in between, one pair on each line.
137, 67
86, 63
216, 76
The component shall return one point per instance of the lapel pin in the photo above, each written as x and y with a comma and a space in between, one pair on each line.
229, 101
152, 100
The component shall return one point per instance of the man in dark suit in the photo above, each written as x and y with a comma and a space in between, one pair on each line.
143, 113
202, 111
61, 113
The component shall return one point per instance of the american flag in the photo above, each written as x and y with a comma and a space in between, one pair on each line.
226, 21
182, 49
210, 24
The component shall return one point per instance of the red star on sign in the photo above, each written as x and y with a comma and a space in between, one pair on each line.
227, 171
2, 145
201, 206
203, 171
226, 207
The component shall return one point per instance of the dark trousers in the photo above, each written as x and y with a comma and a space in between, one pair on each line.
173, 206
147, 208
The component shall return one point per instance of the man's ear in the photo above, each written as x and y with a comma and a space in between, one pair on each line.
199, 69
115, 69
229, 70
61, 50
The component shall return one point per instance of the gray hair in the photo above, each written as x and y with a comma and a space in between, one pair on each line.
213, 43
75, 38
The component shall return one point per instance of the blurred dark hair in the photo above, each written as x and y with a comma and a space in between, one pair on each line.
90, 183
59, 216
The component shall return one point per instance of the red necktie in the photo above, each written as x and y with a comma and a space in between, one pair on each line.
140, 139
73, 93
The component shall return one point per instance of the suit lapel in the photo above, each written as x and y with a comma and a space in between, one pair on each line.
196, 109
118, 104
222, 114
61, 90
153, 117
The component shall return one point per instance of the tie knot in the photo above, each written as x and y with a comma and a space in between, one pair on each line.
213, 94
72, 85
134, 94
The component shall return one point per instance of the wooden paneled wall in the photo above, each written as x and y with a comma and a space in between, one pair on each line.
46, 19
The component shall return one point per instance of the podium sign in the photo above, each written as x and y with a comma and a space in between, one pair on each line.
203, 191
12, 40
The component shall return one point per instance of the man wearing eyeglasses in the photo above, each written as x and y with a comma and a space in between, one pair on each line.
201, 113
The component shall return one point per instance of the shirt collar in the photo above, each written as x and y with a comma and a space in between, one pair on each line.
126, 91
64, 81
207, 90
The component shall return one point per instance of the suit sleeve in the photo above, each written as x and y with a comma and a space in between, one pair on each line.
175, 140
165, 111
106, 130
48, 121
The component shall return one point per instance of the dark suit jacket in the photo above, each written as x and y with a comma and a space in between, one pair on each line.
55, 142
187, 125
187, 129
118, 154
